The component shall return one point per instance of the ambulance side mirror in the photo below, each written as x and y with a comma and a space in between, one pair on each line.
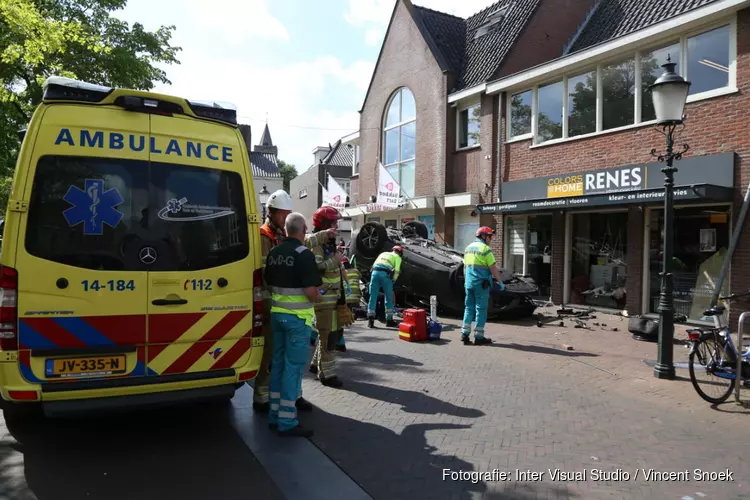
21, 134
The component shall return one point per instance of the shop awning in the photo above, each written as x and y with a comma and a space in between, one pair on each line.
696, 192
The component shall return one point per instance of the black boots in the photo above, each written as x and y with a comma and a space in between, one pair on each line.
334, 382
482, 341
303, 405
261, 407
370, 322
391, 323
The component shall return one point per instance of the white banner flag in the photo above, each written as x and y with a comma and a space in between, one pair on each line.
336, 194
326, 197
389, 192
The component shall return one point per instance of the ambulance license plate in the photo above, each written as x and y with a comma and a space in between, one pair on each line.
82, 367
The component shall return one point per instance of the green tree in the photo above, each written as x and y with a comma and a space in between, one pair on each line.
288, 172
74, 38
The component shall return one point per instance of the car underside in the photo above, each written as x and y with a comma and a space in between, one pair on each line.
430, 268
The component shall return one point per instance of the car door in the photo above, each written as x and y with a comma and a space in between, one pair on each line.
81, 298
200, 273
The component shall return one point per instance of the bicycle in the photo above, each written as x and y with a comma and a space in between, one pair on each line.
716, 355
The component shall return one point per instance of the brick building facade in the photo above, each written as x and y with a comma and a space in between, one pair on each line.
427, 56
711, 43
557, 152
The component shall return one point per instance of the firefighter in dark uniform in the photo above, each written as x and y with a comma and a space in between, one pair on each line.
294, 281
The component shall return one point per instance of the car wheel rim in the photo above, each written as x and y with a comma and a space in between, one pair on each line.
370, 238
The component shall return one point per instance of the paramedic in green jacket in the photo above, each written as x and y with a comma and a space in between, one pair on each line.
479, 271
384, 274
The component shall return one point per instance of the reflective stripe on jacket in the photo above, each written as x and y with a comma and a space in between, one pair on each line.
331, 272
388, 262
478, 259
354, 294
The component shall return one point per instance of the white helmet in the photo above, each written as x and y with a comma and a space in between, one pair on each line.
279, 200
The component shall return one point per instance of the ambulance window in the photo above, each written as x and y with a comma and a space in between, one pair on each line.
201, 212
88, 212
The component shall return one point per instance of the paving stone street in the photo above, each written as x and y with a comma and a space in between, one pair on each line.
408, 411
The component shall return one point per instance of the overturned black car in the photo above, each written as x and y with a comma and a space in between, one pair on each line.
430, 268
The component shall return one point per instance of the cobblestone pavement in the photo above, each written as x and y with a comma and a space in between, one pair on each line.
410, 410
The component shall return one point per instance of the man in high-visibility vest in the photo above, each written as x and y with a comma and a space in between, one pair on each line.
384, 274
479, 270
332, 311
294, 281
279, 205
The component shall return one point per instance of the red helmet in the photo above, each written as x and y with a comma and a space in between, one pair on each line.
485, 231
398, 249
324, 216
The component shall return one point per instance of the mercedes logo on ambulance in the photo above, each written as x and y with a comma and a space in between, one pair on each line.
147, 255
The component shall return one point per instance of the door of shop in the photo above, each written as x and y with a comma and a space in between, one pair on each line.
528, 249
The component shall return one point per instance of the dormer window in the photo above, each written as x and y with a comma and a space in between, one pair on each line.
492, 23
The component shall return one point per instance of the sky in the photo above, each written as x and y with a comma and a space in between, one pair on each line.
303, 65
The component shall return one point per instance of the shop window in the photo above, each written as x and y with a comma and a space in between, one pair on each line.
651, 70
468, 126
618, 94
429, 221
549, 119
391, 223
701, 239
520, 114
582, 104
598, 260
708, 60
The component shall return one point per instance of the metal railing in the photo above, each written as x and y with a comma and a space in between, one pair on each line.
740, 351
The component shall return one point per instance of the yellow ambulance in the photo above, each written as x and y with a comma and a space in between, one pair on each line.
130, 267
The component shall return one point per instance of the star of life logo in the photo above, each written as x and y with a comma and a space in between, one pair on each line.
93, 207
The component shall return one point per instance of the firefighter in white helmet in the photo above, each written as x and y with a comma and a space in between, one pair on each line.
279, 205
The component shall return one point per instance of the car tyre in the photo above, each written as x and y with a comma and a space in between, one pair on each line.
370, 239
420, 229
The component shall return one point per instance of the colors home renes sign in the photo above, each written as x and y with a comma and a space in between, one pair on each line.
603, 181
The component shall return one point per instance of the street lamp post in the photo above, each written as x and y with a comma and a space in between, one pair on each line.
263, 195
669, 94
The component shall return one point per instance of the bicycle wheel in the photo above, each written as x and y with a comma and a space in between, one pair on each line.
705, 362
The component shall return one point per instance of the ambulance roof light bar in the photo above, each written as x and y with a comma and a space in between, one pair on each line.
215, 110
67, 89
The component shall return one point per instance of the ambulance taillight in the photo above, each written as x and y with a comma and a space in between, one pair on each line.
8, 309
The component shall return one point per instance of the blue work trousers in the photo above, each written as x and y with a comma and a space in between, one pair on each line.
291, 344
378, 280
475, 308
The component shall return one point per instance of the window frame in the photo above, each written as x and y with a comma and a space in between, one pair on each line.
466, 107
680, 39
509, 109
303, 193
398, 126
355, 162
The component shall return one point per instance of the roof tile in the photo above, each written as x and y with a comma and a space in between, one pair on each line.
264, 165
616, 18
472, 59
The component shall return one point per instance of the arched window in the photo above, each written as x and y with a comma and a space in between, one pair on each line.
400, 140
